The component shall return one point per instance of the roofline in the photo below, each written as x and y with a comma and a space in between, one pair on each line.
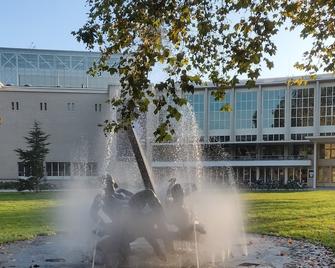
52, 50
53, 90
276, 80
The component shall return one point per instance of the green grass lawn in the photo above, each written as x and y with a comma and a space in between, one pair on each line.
25, 215
308, 215
302, 215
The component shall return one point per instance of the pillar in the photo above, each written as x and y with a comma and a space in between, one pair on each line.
257, 173
315, 164
285, 175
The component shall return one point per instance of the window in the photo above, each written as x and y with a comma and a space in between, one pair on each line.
327, 107
219, 138
97, 107
84, 169
15, 106
274, 137
327, 134
300, 136
196, 100
246, 109
58, 168
302, 104
23, 170
272, 152
70, 106
326, 175
43, 106
327, 151
219, 119
246, 138
273, 108
246, 152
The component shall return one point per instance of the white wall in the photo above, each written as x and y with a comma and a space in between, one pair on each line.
74, 134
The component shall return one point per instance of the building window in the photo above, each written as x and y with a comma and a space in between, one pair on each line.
23, 170
219, 119
298, 174
274, 137
272, 174
246, 110
300, 136
327, 107
219, 138
43, 106
272, 152
84, 169
15, 106
326, 175
70, 106
97, 107
327, 134
302, 104
196, 100
246, 152
273, 108
58, 168
327, 151
246, 138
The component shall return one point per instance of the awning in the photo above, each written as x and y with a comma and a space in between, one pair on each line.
322, 139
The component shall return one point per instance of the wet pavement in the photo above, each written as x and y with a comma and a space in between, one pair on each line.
263, 251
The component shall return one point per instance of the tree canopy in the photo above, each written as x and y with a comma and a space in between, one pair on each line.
197, 41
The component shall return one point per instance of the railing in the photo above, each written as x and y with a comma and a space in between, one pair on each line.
269, 157
238, 158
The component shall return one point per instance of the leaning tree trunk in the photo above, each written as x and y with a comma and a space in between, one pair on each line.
140, 159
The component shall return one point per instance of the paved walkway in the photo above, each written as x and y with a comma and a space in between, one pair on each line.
263, 251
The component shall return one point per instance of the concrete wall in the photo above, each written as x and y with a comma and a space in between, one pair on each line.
75, 136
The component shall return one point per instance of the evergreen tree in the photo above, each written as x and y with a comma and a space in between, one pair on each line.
33, 158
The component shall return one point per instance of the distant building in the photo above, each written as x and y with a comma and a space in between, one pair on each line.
275, 132
53, 87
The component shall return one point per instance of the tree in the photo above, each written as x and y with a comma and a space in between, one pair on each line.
33, 158
197, 41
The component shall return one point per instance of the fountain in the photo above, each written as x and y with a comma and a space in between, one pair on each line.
215, 206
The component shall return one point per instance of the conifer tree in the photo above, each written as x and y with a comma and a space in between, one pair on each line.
34, 156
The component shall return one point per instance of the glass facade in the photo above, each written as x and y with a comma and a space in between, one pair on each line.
197, 101
326, 175
327, 106
302, 107
298, 174
273, 108
50, 68
219, 119
272, 174
327, 151
246, 109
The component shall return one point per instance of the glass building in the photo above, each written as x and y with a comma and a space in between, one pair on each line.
50, 68
275, 132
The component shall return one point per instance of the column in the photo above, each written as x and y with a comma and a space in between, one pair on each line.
257, 173
315, 164
316, 118
17, 70
287, 113
259, 114
206, 117
285, 175
232, 115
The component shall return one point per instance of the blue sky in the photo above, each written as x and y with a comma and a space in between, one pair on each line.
47, 24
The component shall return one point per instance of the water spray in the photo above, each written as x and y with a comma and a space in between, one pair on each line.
196, 242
